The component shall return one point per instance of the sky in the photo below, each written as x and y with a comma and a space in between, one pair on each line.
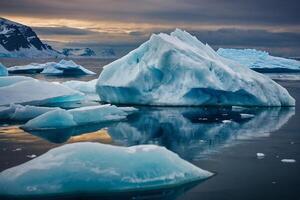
272, 25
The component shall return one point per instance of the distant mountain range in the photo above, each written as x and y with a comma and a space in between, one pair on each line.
17, 40
87, 52
78, 52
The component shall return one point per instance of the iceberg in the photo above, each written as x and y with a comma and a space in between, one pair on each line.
3, 70
63, 67
179, 70
35, 92
60, 118
260, 61
94, 168
22, 113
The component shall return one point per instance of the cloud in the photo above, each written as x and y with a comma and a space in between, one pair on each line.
61, 31
263, 12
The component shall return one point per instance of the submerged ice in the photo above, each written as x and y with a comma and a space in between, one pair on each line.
60, 118
178, 69
260, 60
99, 168
64, 67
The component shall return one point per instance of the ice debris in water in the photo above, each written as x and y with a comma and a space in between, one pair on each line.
20, 90
60, 118
3, 70
260, 60
178, 69
98, 168
64, 67
260, 155
288, 160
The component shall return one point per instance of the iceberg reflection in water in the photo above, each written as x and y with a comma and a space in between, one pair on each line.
189, 131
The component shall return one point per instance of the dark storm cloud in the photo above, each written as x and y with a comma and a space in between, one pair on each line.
263, 12
240, 37
61, 31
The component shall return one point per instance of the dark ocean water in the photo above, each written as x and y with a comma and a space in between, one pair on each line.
215, 139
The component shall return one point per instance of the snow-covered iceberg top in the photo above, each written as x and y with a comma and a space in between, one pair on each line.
60, 118
260, 60
98, 168
64, 67
25, 90
3, 70
178, 69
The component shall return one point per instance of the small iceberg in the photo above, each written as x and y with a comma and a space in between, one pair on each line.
94, 168
64, 67
22, 113
179, 70
3, 70
260, 61
29, 91
60, 118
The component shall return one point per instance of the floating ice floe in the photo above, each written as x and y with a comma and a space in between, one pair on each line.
260, 60
85, 167
22, 113
35, 92
63, 67
179, 70
3, 70
60, 118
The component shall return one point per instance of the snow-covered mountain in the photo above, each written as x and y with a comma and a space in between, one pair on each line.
78, 52
18, 40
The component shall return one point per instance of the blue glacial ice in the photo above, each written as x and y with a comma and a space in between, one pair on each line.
260, 61
61, 118
98, 168
18, 90
22, 113
64, 67
3, 70
178, 69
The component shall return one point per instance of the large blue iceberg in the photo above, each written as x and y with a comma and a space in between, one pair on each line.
82, 168
260, 60
64, 67
179, 70
29, 91
60, 118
